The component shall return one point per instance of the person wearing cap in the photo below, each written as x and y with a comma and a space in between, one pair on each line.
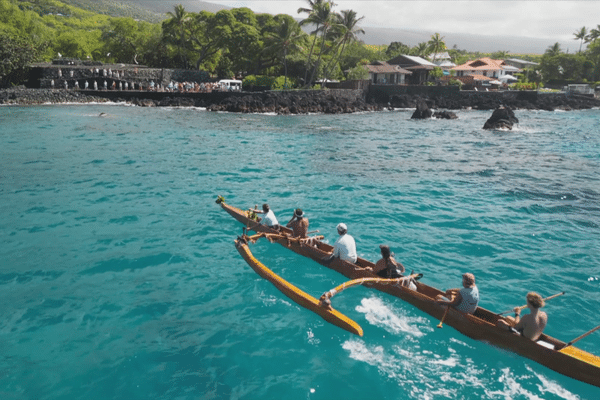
531, 325
299, 224
344, 248
465, 299
269, 219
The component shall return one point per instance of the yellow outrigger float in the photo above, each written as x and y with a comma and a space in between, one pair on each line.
302, 298
550, 352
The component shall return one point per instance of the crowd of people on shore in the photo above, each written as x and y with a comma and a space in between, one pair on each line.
108, 79
465, 299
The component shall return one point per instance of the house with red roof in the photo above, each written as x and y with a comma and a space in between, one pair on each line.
496, 69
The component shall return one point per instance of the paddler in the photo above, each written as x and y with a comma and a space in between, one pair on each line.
299, 224
387, 267
344, 248
465, 299
531, 325
268, 220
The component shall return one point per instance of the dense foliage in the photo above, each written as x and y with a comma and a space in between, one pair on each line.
234, 42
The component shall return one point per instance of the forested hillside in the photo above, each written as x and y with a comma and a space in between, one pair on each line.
130, 9
164, 6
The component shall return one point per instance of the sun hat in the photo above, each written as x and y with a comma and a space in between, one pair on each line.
298, 213
342, 227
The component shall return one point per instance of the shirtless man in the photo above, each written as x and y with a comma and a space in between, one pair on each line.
531, 325
299, 224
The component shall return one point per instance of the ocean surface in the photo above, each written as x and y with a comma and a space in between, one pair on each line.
119, 278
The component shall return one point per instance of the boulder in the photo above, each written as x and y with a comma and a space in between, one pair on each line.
502, 118
445, 115
423, 111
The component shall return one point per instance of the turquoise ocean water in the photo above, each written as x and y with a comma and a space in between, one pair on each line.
119, 278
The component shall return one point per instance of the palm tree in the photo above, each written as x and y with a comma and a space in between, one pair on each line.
287, 37
422, 50
322, 16
314, 4
178, 22
347, 30
593, 35
437, 44
553, 50
581, 35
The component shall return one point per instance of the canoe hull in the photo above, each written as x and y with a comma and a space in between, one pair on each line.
571, 362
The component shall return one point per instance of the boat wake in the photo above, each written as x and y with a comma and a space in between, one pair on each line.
381, 315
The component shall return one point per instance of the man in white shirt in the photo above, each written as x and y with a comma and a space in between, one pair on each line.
268, 220
344, 248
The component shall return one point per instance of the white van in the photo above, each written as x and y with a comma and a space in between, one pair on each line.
230, 85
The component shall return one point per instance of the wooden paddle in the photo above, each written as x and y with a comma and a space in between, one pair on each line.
582, 336
443, 317
525, 306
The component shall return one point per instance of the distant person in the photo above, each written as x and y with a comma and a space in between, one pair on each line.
269, 219
344, 248
531, 325
298, 224
465, 299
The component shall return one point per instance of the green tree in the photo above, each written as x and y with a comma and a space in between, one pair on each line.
395, 49
421, 50
322, 17
553, 50
436, 44
244, 46
176, 28
580, 35
313, 5
130, 41
287, 37
500, 55
208, 33
593, 35
16, 54
347, 31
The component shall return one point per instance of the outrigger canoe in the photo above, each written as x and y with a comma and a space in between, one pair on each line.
550, 352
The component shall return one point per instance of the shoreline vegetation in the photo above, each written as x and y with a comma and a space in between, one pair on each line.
323, 46
303, 102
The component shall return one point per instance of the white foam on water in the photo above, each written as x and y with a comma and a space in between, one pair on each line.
549, 386
382, 315
512, 389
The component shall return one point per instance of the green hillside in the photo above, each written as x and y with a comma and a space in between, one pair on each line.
130, 9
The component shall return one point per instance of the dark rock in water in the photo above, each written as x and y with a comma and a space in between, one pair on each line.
502, 118
423, 111
445, 115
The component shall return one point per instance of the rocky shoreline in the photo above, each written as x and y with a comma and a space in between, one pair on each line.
303, 102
